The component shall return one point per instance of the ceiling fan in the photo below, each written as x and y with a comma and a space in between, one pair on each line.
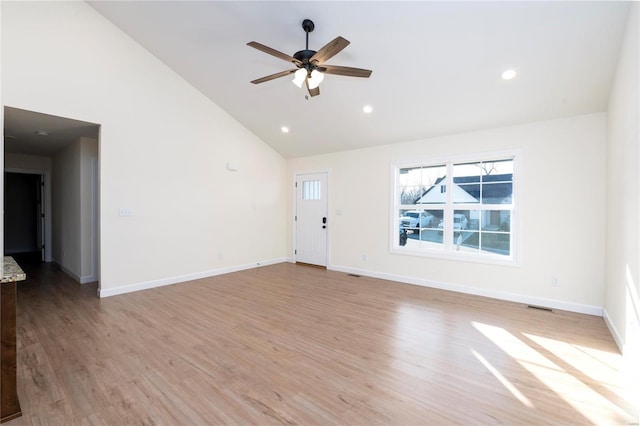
310, 64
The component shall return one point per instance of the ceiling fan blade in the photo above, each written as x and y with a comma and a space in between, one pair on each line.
312, 92
347, 71
329, 50
273, 52
274, 76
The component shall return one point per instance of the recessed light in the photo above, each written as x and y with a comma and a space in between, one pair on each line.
284, 129
42, 133
508, 74
367, 109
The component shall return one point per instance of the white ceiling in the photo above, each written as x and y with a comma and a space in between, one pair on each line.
22, 132
436, 65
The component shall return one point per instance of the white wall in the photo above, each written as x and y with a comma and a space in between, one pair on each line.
622, 304
163, 149
562, 197
73, 209
88, 216
66, 211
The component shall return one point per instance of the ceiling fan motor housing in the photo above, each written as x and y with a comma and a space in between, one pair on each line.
304, 56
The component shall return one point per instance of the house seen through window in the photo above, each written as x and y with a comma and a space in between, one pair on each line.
456, 208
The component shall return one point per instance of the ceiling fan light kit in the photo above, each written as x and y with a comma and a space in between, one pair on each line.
299, 77
310, 67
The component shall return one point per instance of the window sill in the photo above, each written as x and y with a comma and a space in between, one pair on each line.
458, 256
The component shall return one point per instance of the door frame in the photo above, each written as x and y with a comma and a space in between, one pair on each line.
294, 240
46, 194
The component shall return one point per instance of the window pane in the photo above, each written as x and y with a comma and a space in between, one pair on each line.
496, 220
410, 194
461, 219
498, 243
422, 228
466, 183
311, 190
433, 185
496, 227
465, 225
427, 238
473, 218
497, 193
497, 167
487, 182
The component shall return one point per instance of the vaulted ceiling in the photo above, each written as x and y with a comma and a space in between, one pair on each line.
436, 65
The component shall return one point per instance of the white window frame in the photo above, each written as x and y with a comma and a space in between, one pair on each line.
448, 250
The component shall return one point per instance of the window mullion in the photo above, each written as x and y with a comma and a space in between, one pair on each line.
448, 210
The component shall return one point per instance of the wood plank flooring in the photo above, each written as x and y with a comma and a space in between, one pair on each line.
289, 344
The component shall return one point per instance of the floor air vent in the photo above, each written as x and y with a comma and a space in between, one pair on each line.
354, 275
540, 308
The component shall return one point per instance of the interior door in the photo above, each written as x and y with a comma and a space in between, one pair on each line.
311, 218
40, 215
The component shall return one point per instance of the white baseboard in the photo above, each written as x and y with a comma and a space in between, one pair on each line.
67, 271
88, 279
182, 278
613, 330
82, 280
512, 297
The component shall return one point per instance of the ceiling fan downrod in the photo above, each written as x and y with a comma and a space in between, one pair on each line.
308, 26
304, 55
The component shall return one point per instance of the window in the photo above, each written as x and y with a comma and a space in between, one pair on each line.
456, 209
311, 190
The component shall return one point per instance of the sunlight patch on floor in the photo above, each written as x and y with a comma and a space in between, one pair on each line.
596, 365
586, 398
506, 383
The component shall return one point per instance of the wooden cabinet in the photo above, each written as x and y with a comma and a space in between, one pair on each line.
9, 404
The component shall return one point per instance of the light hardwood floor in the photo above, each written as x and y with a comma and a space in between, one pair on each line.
301, 345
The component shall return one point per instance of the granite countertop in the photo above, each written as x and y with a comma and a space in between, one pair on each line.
11, 272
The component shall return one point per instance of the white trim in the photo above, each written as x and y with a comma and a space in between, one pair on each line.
145, 285
484, 258
82, 280
88, 279
67, 271
613, 330
447, 252
458, 158
494, 294
538, 301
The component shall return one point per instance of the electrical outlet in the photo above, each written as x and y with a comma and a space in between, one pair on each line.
125, 212
555, 281
364, 257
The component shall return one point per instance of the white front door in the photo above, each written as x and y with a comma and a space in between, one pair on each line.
311, 218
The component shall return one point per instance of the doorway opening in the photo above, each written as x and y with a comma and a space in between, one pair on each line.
23, 214
52, 167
